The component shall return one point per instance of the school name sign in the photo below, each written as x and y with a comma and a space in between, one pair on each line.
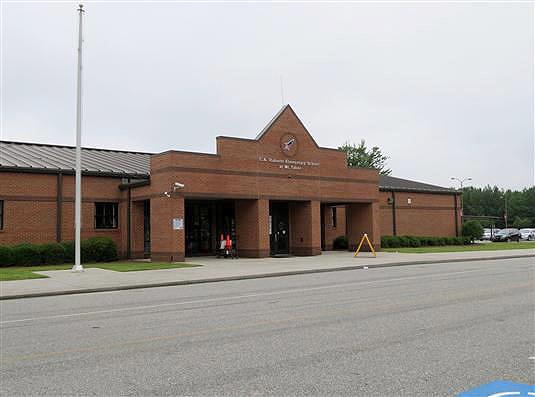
289, 164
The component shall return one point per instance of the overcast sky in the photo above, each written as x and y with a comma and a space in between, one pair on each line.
443, 89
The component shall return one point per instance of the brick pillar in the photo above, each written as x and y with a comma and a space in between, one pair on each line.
252, 228
305, 228
166, 244
363, 218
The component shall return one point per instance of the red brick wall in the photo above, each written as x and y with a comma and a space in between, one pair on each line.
305, 228
332, 232
361, 218
30, 208
252, 228
137, 242
427, 215
166, 244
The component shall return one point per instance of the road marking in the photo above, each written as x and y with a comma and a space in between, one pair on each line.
236, 297
207, 331
505, 393
330, 312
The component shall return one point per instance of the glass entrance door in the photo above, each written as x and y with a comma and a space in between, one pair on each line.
279, 230
206, 222
198, 228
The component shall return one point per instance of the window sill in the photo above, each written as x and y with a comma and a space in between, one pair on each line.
107, 230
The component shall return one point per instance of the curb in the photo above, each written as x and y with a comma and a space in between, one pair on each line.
254, 276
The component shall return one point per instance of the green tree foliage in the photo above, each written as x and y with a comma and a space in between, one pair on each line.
473, 230
359, 156
490, 201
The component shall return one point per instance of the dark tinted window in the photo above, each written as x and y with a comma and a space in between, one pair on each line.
333, 216
106, 215
1, 214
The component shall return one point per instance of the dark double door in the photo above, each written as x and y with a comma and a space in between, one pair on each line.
279, 229
206, 221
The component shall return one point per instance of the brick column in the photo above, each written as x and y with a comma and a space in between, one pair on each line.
305, 228
166, 244
363, 218
252, 228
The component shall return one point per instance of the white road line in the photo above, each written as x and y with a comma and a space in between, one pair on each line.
237, 297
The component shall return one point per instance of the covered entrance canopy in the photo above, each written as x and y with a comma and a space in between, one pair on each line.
266, 191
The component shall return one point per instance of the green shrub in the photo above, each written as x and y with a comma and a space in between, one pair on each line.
452, 241
52, 254
26, 254
6, 256
340, 243
414, 241
99, 249
472, 229
386, 242
68, 246
404, 241
420, 241
95, 249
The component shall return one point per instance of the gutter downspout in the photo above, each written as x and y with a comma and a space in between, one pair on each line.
59, 205
394, 226
128, 225
455, 214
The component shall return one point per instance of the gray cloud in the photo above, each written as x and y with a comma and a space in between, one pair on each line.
444, 89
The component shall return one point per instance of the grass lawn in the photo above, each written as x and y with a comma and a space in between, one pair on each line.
23, 273
462, 248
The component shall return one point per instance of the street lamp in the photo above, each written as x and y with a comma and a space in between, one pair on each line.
461, 182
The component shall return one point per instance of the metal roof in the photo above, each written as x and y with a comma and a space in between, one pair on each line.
398, 184
42, 157
52, 158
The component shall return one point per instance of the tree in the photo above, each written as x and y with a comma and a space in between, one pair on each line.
359, 156
472, 229
490, 201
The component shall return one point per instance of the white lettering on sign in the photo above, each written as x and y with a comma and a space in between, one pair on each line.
289, 163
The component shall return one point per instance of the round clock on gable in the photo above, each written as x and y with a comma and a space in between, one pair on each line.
289, 145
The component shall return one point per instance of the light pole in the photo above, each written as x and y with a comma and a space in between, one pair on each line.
78, 178
461, 182
505, 210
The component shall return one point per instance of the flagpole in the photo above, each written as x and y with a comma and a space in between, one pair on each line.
78, 179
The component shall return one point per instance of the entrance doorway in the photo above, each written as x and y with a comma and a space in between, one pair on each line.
279, 235
206, 221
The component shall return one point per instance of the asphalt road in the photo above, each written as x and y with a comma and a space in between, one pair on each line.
411, 330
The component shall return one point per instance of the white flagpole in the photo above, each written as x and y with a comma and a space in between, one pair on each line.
78, 180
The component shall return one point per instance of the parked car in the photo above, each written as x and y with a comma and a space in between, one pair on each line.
507, 235
527, 234
488, 233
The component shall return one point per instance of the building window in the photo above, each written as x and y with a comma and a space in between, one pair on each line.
333, 217
1, 214
106, 215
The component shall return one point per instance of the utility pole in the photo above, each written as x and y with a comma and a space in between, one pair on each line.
78, 179
505, 211
461, 181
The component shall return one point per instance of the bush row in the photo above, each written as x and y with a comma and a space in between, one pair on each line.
415, 241
340, 243
96, 249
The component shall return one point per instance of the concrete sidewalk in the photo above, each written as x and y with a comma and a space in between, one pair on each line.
62, 282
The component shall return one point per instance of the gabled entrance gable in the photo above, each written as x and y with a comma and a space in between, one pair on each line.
286, 119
